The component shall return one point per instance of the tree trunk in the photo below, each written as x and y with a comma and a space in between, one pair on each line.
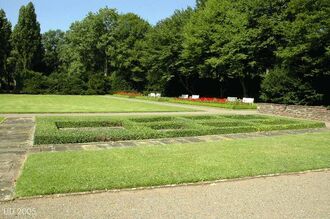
185, 84
244, 89
221, 89
106, 67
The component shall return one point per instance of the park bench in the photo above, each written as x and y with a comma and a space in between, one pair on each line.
195, 97
152, 95
232, 99
248, 100
184, 96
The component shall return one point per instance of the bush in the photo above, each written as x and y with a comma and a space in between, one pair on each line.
73, 84
119, 84
279, 86
37, 83
97, 84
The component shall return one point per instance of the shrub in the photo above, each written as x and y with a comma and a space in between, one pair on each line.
119, 84
97, 84
279, 86
36, 83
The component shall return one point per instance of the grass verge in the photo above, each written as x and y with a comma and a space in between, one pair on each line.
2, 119
65, 172
59, 130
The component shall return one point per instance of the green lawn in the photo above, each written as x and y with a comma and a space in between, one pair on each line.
58, 130
1, 119
64, 172
75, 104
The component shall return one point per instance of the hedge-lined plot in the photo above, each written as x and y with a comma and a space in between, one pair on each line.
59, 130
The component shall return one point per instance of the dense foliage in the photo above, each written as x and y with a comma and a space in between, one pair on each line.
278, 51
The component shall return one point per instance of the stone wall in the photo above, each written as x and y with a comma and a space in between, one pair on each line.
308, 112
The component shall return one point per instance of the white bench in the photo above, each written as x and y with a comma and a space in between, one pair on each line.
158, 95
152, 95
232, 99
184, 96
195, 97
248, 100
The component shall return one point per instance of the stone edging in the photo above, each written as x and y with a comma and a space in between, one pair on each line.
320, 113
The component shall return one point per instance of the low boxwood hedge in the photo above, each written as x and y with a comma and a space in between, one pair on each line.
59, 130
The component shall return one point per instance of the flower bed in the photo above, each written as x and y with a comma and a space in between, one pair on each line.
206, 99
128, 93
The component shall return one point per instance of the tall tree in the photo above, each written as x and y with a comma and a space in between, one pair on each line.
303, 56
232, 40
125, 53
84, 53
86, 42
26, 42
5, 33
163, 48
52, 41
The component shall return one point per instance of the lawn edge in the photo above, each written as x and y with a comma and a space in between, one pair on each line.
59, 195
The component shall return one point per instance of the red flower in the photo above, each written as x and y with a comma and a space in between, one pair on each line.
206, 99
127, 93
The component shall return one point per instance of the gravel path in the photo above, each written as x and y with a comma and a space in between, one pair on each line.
288, 196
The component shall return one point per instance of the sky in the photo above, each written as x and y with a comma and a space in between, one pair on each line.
59, 14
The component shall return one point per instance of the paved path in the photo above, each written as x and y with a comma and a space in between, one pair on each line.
16, 136
166, 141
289, 196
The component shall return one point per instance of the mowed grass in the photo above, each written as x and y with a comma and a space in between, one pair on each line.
1, 119
59, 130
65, 172
76, 104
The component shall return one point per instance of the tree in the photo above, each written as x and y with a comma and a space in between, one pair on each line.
5, 33
26, 42
227, 40
306, 45
52, 41
163, 48
84, 53
212, 40
279, 86
125, 52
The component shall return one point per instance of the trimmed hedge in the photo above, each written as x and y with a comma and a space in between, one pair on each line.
59, 130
